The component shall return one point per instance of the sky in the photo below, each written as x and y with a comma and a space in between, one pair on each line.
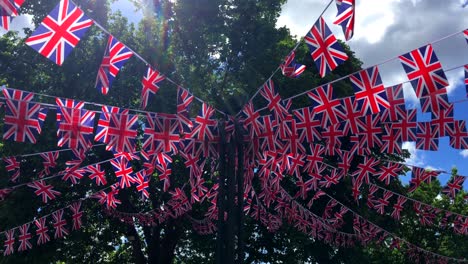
384, 30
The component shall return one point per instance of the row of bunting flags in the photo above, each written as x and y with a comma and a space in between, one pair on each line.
297, 143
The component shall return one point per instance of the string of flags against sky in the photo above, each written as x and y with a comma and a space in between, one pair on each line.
295, 142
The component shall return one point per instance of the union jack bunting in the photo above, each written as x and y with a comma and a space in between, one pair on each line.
122, 132
24, 238
466, 78
396, 101
345, 17
426, 137
96, 173
13, 167
420, 175
205, 126
308, 127
292, 141
370, 132
59, 224
50, 162
77, 214
454, 186
184, 100
398, 207
465, 32
290, 68
72, 172
41, 231
123, 170
350, 112
23, 119
331, 178
383, 202
389, 171
369, 91
115, 56
166, 135
269, 137
104, 121
367, 168
251, 121
150, 85
275, 104
164, 169
332, 136
326, 52
344, 163
9, 242
436, 101
142, 183
60, 32
108, 199
46, 191
441, 121
390, 144
75, 125
458, 134
406, 128
325, 105
424, 71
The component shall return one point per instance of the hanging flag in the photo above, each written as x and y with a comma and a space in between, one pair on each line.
9, 242
46, 191
205, 126
59, 224
420, 175
60, 32
426, 137
325, 105
345, 17
13, 168
390, 144
184, 100
351, 113
424, 71
369, 90
76, 215
465, 32
116, 55
24, 238
406, 128
150, 85
166, 135
122, 132
325, 49
50, 162
332, 135
290, 68
366, 169
383, 202
108, 198
396, 101
41, 231
142, 183
389, 171
398, 207
435, 102
75, 125
252, 120
96, 174
123, 170
370, 132
441, 121
23, 119
308, 127
4, 193
275, 104
104, 121
458, 134
454, 186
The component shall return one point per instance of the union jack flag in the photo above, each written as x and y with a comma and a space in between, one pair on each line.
458, 134
41, 231
275, 104
436, 101
465, 32
406, 128
332, 136
184, 100
164, 169
142, 182
332, 178
325, 105
4, 193
104, 121
166, 135
23, 119
290, 68
390, 144
13, 168
351, 112
426, 137
205, 126
370, 132
389, 171
420, 175
50, 161
314, 159
9, 242
59, 224
398, 207
76, 215
269, 136
325, 49
75, 125
424, 71
115, 56
96, 174
344, 163
308, 127
251, 121
396, 100
122, 132
60, 32
72, 172
44, 190
454, 186
108, 198
24, 238
123, 171
345, 17
150, 85
5, 21
369, 90
292, 141
366, 169
383, 202
442, 120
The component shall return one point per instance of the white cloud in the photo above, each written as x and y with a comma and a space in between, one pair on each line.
416, 157
464, 153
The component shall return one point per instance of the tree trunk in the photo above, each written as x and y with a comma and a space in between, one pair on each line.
134, 239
